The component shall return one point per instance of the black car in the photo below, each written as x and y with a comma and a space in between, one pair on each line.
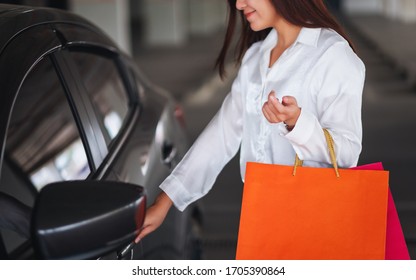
80, 130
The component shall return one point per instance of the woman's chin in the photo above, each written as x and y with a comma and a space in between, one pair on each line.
256, 27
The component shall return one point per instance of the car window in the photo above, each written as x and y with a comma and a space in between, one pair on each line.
106, 89
43, 139
43, 145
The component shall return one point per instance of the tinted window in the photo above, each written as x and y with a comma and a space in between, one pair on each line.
43, 145
106, 90
43, 139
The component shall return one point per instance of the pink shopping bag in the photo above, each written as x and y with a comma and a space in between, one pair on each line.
396, 248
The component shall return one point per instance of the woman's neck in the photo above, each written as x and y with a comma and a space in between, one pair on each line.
287, 34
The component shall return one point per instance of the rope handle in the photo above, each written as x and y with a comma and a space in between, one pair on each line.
331, 149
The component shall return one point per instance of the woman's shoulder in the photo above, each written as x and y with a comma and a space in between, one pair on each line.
336, 49
329, 36
330, 40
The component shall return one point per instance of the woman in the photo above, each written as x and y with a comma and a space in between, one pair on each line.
298, 75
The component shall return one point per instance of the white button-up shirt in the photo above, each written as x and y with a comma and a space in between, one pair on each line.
324, 75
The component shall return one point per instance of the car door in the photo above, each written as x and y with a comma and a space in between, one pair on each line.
61, 123
148, 140
43, 137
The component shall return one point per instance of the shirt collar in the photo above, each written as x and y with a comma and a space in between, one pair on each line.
307, 36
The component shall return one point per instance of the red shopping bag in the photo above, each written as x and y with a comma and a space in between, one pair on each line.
396, 248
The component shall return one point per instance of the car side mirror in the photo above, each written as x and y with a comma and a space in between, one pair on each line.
86, 219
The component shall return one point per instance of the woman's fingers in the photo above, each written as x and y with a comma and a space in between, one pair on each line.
275, 112
155, 215
145, 231
277, 107
267, 113
289, 101
272, 109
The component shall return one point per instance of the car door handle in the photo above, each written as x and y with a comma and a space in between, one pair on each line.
127, 252
168, 153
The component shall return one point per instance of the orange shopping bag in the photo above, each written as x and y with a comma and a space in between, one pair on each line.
313, 214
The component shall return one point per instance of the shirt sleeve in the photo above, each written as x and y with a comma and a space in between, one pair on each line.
219, 142
337, 85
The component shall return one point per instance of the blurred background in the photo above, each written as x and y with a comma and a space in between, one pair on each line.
175, 43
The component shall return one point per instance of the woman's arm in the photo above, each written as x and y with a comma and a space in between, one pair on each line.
337, 85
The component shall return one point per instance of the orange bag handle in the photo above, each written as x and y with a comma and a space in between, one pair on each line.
331, 148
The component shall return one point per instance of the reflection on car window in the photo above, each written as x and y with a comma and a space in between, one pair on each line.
43, 139
106, 89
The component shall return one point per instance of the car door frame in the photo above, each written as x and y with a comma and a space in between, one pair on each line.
74, 37
44, 44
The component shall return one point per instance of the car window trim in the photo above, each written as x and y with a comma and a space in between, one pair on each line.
126, 75
97, 43
81, 109
11, 86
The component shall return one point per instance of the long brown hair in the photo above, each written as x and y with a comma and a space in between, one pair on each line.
305, 13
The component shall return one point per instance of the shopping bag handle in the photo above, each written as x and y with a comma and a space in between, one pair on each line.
331, 148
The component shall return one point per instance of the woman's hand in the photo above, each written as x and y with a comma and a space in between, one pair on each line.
155, 215
288, 111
